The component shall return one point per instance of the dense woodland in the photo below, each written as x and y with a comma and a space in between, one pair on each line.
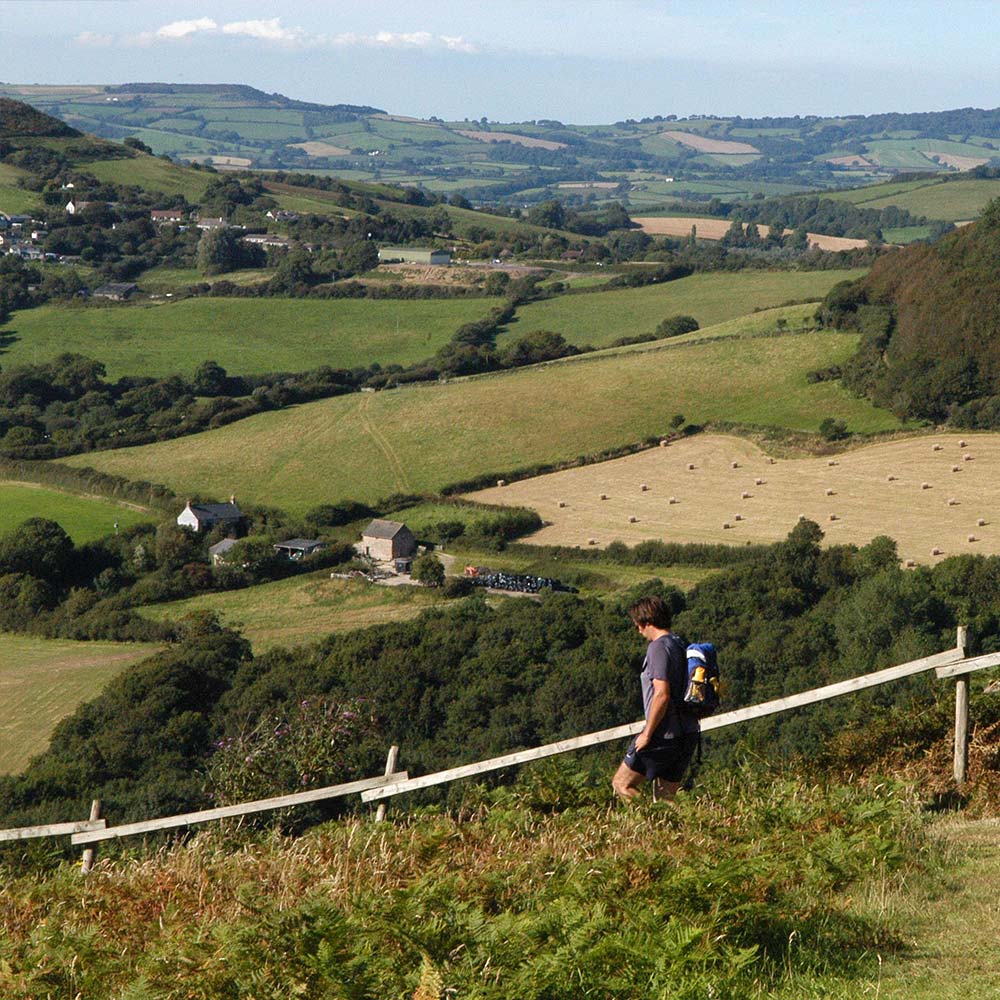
928, 316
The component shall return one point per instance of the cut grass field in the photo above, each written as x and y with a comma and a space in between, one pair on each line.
423, 437
303, 609
15, 200
716, 229
44, 680
863, 500
153, 174
82, 518
245, 336
598, 318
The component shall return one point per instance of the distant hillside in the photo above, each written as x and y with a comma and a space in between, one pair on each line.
930, 319
20, 120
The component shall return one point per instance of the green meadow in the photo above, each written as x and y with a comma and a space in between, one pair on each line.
951, 201
82, 518
245, 336
44, 680
423, 437
15, 200
302, 609
599, 318
153, 174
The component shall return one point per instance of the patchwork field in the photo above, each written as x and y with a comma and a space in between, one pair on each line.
419, 438
302, 609
761, 499
82, 518
44, 680
599, 319
936, 198
705, 145
245, 336
521, 140
715, 229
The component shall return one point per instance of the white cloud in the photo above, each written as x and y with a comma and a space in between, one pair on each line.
181, 29
268, 31
404, 40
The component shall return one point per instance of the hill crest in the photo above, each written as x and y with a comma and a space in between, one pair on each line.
19, 120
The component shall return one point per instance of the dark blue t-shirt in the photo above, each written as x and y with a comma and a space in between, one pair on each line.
666, 661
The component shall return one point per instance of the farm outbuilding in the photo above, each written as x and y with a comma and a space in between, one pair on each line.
299, 548
385, 541
413, 255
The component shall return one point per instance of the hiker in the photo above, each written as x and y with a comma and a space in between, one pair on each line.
662, 751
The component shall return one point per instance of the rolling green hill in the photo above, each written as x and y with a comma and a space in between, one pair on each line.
82, 518
425, 437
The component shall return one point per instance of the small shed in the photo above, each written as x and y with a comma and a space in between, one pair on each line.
413, 255
118, 291
299, 548
205, 516
385, 541
218, 552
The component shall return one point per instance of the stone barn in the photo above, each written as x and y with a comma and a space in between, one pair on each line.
385, 541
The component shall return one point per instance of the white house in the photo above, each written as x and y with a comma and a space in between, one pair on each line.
205, 516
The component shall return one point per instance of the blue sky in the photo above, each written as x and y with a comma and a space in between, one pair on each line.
582, 61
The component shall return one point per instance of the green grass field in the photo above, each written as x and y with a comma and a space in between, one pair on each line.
153, 174
303, 609
245, 336
419, 438
598, 319
43, 680
15, 200
82, 518
950, 201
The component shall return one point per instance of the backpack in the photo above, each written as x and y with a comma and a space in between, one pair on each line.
701, 698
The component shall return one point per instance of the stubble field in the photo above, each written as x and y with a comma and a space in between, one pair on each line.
761, 499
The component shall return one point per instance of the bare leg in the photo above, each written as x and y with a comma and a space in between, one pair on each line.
627, 782
664, 790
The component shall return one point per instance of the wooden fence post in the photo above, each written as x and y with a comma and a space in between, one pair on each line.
390, 766
87, 863
961, 714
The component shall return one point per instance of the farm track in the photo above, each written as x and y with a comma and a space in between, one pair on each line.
391, 457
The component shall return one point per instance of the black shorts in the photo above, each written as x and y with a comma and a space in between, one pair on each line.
667, 760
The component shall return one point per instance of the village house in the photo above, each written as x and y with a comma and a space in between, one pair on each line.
217, 553
282, 215
267, 240
205, 516
387, 541
211, 223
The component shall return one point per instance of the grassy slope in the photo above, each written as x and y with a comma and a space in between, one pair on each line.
43, 680
424, 437
302, 609
82, 518
952, 201
597, 319
243, 335
153, 174
15, 200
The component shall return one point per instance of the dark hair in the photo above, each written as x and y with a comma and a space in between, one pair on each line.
651, 611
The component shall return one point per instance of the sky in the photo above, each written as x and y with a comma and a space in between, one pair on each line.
578, 61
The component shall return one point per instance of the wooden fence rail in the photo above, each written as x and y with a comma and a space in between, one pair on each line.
950, 663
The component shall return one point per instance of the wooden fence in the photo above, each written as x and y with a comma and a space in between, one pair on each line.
950, 663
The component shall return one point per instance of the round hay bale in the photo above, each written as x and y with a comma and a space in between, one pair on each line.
830, 492
833, 517
937, 447
604, 496
501, 482
962, 444
632, 519
725, 525
736, 465
643, 487
674, 500
562, 503
925, 486
972, 538
910, 563
935, 551
738, 517
831, 462
758, 482
952, 502
745, 495
956, 468
890, 479
981, 522
690, 466
591, 541
966, 458
771, 461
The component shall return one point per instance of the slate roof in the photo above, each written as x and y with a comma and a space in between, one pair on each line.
299, 544
217, 511
382, 529
221, 548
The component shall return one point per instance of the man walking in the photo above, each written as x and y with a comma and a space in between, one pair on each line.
662, 751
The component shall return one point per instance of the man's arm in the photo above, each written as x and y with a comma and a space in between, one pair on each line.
657, 712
